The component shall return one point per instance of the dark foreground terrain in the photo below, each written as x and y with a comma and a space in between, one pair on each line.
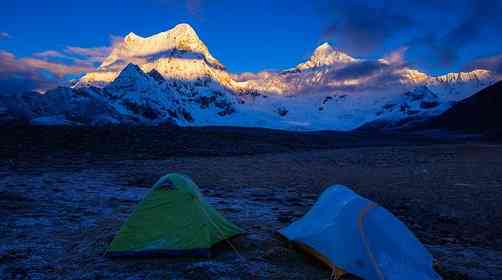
65, 192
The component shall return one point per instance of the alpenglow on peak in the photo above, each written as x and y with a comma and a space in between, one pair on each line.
325, 47
182, 30
180, 38
324, 55
166, 52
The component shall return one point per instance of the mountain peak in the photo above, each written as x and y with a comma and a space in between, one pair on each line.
131, 69
132, 37
182, 36
139, 50
131, 79
325, 47
325, 55
129, 75
184, 28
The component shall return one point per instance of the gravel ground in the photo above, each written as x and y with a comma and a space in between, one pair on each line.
60, 212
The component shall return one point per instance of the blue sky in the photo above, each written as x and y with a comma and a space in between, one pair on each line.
439, 36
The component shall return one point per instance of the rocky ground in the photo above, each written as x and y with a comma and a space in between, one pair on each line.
60, 210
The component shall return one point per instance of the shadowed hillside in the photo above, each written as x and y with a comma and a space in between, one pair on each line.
481, 112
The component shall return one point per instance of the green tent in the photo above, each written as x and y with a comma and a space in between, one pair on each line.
172, 220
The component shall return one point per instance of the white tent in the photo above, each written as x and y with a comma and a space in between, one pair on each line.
355, 235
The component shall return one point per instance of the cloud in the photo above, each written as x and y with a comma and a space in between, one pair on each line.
492, 63
439, 30
246, 76
369, 75
58, 69
359, 70
396, 57
97, 54
77, 55
18, 76
362, 26
193, 7
4, 35
482, 15
50, 68
50, 54
477, 21
37, 72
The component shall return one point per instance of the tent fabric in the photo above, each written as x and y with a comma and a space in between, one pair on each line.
173, 219
360, 237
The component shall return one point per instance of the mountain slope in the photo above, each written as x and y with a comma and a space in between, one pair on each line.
329, 70
171, 77
62, 106
150, 99
479, 113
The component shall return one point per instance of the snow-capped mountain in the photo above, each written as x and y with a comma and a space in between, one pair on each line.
177, 54
150, 98
62, 106
172, 78
326, 55
457, 86
480, 113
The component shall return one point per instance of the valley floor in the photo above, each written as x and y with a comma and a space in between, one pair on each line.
60, 210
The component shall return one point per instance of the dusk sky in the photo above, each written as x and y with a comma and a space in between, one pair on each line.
66, 38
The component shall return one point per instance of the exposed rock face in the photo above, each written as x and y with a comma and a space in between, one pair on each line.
156, 76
